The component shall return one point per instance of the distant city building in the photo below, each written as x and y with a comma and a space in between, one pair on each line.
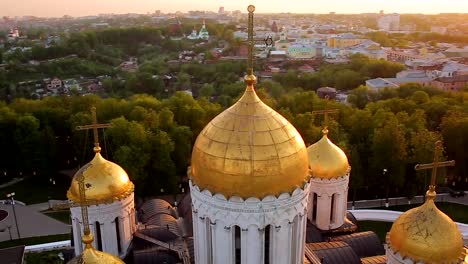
389, 22
221, 10
13, 34
439, 30
301, 51
274, 27
326, 92
455, 83
344, 40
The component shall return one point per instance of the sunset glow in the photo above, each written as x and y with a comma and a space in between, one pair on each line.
94, 7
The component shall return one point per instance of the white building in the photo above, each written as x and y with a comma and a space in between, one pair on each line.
329, 169
390, 22
249, 186
110, 202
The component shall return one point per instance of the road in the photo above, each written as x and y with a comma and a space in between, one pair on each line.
31, 222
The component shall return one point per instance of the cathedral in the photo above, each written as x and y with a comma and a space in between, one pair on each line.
257, 195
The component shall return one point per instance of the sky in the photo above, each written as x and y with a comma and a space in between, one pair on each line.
58, 8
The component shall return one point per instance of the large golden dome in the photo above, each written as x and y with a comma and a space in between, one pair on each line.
249, 150
92, 256
427, 235
104, 181
326, 160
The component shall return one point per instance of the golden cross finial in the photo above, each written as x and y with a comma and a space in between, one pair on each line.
325, 112
434, 165
94, 126
250, 40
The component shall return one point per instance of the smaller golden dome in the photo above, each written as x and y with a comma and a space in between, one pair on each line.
92, 256
427, 235
326, 160
104, 181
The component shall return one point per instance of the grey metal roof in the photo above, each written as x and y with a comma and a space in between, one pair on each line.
374, 260
364, 244
153, 207
334, 253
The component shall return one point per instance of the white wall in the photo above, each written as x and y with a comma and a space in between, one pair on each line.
105, 215
285, 215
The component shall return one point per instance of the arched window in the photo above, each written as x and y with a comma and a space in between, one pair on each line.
267, 244
209, 241
332, 208
117, 231
98, 236
237, 245
314, 208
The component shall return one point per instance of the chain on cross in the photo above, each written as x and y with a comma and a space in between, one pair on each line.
435, 164
81, 181
325, 113
94, 126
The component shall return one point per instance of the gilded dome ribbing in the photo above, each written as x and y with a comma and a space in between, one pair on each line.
326, 160
104, 181
427, 235
249, 150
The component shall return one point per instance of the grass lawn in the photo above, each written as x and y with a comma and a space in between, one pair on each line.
34, 240
49, 257
62, 216
31, 191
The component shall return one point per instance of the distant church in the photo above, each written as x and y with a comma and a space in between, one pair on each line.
257, 196
202, 34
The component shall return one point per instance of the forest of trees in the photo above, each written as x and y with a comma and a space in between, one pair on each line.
152, 138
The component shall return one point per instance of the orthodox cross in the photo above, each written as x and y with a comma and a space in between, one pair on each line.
435, 164
80, 179
325, 112
250, 40
94, 126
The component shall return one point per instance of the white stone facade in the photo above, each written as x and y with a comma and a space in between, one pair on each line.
327, 202
116, 226
395, 257
254, 231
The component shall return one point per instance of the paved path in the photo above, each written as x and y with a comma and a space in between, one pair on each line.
31, 222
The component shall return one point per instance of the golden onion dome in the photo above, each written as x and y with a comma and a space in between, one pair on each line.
104, 181
92, 256
427, 235
249, 150
326, 160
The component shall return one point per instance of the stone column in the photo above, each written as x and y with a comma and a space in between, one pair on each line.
323, 211
196, 242
302, 222
77, 236
202, 240
254, 245
222, 243
282, 235
244, 245
109, 237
